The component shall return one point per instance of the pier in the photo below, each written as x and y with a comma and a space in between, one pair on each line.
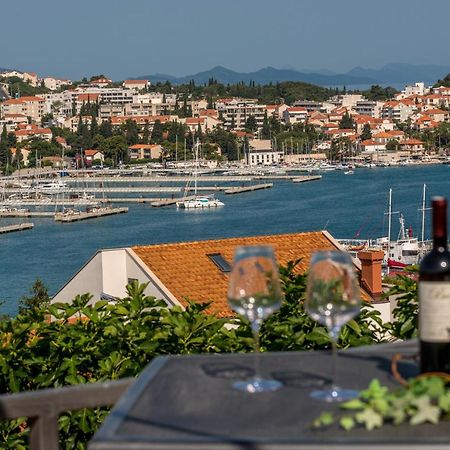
16, 227
171, 201
306, 178
76, 216
27, 214
255, 187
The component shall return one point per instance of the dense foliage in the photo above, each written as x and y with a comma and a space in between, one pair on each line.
106, 341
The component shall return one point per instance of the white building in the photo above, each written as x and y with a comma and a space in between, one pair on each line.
295, 114
261, 153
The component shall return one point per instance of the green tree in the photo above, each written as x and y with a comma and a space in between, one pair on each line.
37, 298
251, 124
116, 149
106, 129
146, 133
366, 132
265, 130
131, 132
157, 132
347, 122
392, 145
4, 150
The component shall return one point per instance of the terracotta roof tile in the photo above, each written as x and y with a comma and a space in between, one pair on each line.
187, 271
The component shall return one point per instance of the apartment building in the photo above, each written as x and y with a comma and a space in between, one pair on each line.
55, 83
145, 151
32, 107
236, 112
368, 108
28, 131
295, 114
398, 110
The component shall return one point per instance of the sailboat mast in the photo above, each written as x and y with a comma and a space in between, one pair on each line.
196, 167
389, 218
423, 214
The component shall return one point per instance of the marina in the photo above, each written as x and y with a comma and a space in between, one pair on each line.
349, 207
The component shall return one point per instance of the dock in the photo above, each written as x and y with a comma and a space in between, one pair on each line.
255, 187
132, 199
170, 201
306, 178
83, 215
27, 214
16, 227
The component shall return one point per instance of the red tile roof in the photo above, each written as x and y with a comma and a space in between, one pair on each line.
188, 273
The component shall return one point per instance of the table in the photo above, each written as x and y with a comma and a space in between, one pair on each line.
187, 402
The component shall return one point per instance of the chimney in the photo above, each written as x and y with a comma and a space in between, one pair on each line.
371, 270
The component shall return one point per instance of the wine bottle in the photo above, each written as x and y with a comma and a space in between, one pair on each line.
434, 296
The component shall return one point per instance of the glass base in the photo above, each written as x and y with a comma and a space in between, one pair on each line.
334, 394
257, 385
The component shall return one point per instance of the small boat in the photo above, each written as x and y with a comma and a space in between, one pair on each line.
200, 202
349, 172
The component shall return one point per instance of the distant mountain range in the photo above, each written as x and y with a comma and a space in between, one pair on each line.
395, 74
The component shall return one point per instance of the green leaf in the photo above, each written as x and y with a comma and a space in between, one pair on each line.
324, 420
370, 418
347, 423
354, 404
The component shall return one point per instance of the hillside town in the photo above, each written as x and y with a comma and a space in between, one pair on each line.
99, 122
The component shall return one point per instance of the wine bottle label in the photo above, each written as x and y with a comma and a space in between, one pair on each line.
434, 311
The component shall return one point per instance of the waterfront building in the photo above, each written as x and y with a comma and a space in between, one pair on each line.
91, 155
260, 152
145, 151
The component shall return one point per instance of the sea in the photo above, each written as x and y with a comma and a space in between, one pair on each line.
348, 206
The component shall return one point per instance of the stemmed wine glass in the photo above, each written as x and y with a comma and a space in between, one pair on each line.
254, 292
332, 299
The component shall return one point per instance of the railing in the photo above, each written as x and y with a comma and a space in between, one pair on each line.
43, 407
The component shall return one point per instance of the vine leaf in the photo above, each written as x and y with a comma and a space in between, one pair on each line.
370, 418
426, 411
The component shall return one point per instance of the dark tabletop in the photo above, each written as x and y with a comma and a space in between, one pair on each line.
188, 402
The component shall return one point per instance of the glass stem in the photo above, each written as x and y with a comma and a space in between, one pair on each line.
334, 335
256, 326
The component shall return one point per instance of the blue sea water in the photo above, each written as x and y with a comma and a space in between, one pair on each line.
346, 205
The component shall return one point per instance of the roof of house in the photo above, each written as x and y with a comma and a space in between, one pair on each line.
91, 152
187, 272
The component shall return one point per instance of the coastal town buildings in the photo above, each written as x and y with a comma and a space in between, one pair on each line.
375, 126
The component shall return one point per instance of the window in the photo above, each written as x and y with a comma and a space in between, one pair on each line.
220, 262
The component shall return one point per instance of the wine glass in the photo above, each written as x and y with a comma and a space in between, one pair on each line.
332, 299
255, 292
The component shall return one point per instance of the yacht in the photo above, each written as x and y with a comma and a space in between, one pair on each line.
200, 202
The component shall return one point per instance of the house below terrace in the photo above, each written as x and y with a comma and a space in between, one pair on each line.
199, 271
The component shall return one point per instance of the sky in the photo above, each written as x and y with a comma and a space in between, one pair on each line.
130, 38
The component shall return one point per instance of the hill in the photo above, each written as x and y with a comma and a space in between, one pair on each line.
263, 76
